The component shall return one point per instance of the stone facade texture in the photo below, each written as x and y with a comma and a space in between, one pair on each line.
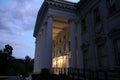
86, 34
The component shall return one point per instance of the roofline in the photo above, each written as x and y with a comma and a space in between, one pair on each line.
39, 15
51, 3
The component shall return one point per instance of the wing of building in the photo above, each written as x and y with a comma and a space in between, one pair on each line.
84, 35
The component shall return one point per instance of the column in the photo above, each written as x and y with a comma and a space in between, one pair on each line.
49, 42
73, 44
37, 56
80, 53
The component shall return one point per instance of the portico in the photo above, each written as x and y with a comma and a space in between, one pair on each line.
55, 37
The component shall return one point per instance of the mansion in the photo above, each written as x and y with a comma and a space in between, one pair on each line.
84, 35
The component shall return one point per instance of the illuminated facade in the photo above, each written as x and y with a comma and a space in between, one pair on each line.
61, 50
78, 35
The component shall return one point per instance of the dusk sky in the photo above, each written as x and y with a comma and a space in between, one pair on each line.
17, 21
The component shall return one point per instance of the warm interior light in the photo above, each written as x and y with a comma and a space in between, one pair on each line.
60, 62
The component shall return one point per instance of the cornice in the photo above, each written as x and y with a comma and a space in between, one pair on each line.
61, 4
40, 16
55, 4
82, 4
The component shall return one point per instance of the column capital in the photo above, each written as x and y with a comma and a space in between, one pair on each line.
72, 20
49, 16
36, 40
49, 19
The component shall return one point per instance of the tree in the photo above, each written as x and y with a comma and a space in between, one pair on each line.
27, 59
6, 59
19, 67
8, 49
10, 66
28, 65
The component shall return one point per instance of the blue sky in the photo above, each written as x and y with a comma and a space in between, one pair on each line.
17, 20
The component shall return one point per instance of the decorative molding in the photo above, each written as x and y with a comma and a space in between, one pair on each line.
85, 3
99, 29
100, 37
60, 3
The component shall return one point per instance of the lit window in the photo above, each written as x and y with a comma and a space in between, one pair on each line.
60, 62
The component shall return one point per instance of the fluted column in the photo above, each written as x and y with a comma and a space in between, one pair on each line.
80, 54
49, 42
73, 44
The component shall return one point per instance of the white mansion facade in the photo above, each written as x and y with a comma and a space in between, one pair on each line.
84, 35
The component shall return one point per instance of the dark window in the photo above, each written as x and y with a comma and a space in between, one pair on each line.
117, 51
64, 47
60, 51
111, 5
97, 15
69, 46
64, 37
101, 56
57, 52
60, 41
84, 28
85, 59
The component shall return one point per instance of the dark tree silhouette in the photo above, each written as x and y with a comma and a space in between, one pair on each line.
8, 49
10, 66
28, 65
6, 59
19, 67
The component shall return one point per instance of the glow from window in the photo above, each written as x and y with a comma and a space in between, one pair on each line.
60, 62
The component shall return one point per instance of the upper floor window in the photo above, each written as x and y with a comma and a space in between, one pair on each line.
60, 50
60, 40
84, 27
64, 37
64, 47
97, 15
69, 46
56, 43
111, 4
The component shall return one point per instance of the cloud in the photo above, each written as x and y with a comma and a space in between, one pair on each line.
4, 22
17, 20
29, 12
21, 17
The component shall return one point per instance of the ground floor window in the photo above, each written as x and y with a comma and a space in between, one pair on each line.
60, 62
85, 59
117, 51
102, 58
